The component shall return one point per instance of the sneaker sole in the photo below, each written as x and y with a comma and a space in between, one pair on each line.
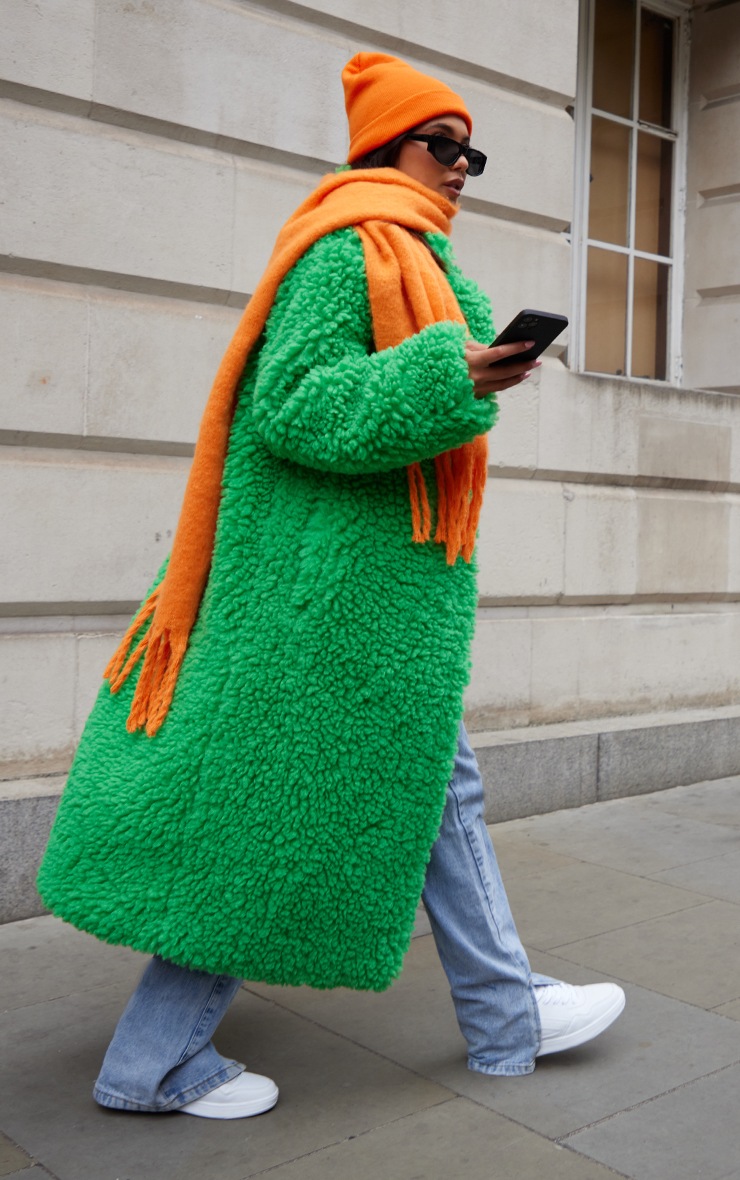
204, 1109
574, 1039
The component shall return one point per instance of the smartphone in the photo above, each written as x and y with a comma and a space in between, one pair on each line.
540, 326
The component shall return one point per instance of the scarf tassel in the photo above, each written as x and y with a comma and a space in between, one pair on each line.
163, 655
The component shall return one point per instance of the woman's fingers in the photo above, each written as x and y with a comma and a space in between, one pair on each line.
502, 376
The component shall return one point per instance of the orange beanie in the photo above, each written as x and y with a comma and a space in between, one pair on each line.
385, 97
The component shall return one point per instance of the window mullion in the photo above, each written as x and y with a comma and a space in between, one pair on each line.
633, 193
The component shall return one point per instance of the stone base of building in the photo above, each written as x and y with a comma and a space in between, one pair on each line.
525, 771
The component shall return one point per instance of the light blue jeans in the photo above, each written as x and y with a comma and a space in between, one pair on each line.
161, 1055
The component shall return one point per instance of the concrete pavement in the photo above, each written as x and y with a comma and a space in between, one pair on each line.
644, 890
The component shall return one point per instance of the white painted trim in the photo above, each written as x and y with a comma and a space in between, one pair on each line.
678, 10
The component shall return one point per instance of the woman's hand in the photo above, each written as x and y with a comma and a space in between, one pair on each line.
487, 380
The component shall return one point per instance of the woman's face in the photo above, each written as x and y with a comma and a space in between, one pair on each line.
420, 164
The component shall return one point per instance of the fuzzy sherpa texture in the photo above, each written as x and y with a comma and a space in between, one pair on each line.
279, 824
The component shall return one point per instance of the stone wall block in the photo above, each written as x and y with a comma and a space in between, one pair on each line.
710, 265
50, 46
152, 364
600, 542
499, 692
85, 528
37, 688
714, 57
26, 824
632, 762
520, 552
517, 266
43, 356
683, 543
601, 664
513, 441
539, 46
540, 776
81, 194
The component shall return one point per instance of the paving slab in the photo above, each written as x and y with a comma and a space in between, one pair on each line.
625, 834
453, 1140
693, 955
598, 899
717, 876
44, 958
12, 1157
330, 1089
692, 1132
641, 890
657, 1044
712, 803
732, 1009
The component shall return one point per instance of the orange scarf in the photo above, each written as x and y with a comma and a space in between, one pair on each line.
407, 291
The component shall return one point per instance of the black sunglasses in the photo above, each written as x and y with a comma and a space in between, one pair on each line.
448, 151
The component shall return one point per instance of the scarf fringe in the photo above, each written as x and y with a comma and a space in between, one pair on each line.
163, 654
421, 513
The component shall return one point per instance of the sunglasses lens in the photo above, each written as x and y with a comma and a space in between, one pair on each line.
444, 150
476, 162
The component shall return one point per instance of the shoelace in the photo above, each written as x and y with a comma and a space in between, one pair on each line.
557, 993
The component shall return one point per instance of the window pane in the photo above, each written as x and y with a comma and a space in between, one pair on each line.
650, 320
606, 311
614, 52
656, 68
609, 192
653, 208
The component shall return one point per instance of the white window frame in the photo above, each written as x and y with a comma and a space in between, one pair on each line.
679, 9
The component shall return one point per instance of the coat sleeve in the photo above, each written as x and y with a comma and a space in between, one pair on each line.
324, 398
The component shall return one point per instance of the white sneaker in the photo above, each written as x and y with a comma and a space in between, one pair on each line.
244, 1095
570, 1015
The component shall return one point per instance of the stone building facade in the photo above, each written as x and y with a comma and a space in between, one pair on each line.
152, 148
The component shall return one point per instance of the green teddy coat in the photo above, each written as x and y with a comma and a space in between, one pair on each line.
279, 824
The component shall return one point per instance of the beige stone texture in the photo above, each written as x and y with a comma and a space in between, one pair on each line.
538, 48
596, 427
85, 527
500, 690
712, 265
217, 95
710, 356
43, 357
600, 542
711, 165
520, 553
685, 450
151, 365
512, 443
37, 688
683, 543
537, 666
714, 57
596, 665
80, 360
517, 266
49, 46
114, 200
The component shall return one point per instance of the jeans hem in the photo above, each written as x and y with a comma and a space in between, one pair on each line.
505, 1069
118, 1102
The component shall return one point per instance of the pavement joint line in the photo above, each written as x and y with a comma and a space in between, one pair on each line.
360, 1135
358, 1044
647, 1101
546, 950
590, 1159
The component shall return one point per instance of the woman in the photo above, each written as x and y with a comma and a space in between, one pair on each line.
264, 788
